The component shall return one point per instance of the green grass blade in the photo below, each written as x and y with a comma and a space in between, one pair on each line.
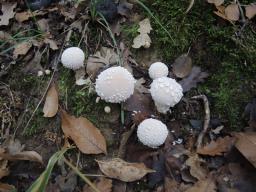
40, 184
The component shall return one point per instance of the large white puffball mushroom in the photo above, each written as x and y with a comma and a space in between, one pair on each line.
166, 93
115, 84
152, 132
157, 70
73, 58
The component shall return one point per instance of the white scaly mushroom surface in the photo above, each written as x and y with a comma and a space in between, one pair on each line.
157, 70
115, 84
152, 132
166, 93
73, 58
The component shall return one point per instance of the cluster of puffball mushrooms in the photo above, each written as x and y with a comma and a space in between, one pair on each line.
116, 85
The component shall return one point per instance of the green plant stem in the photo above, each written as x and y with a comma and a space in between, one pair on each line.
81, 175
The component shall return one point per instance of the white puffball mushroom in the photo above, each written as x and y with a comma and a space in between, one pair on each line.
47, 72
40, 73
157, 70
107, 109
166, 93
115, 84
73, 58
152, 132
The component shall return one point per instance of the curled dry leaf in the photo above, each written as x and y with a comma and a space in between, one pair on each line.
218, 147
51, 102
216, 2
143, 39
232, 12
86, 136
21, 49
13, 150
122, 170
246, 144
206, 185
250, 10
7, 12
182, 66
196, 76
196, 168
103, 185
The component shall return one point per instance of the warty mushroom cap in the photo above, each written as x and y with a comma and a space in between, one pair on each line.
152, 132
166, 93
157, 70
73, 58
115, 84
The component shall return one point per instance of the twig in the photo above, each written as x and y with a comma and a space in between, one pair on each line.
124, 140
206, 119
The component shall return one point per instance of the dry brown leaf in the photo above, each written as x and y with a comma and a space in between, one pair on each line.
4, 170
250, 10
51, 102
7, 13
52, 43
86, 136
26, 15
218, 147
196, 169
140, 87
21, 49
221, 12
170, 185
232, 12
6, 187
13, 150
182, 66
122, 170
143, 39
206, 185
216, 2
103, 185
246, 144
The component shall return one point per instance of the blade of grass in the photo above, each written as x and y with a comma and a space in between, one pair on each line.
40, 184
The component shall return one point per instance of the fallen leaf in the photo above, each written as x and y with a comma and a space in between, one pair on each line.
196, 76
7, 12
33, 66
4, 169
67, 182
21, 49
250, 11
218, 147
52, 43
26, 15
80, 77
232, 12
103, 185
143, 39
206, 185
182, 66
122, 170
159, 174
6, 187
140, 87
13, 150
170, 185
105, 56
246, 144
196, 168
216, 2
43, 24
221, 12
51, 102
86, 136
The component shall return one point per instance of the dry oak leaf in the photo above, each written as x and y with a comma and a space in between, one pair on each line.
250, 10
246, 144
13, 150
119, 169
103, 185
22, 49
216, 2
7, 13
182, 66
206, 185
86, 136
51, 102
6, 187
196, 168
218, 147
232, 12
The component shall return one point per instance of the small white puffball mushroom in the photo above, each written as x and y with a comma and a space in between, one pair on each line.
47, 72
40, 73
157, 70
107, 109
115, 84
166, 93
73, 58
152, 132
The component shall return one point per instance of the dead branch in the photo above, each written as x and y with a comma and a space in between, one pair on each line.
206, 119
